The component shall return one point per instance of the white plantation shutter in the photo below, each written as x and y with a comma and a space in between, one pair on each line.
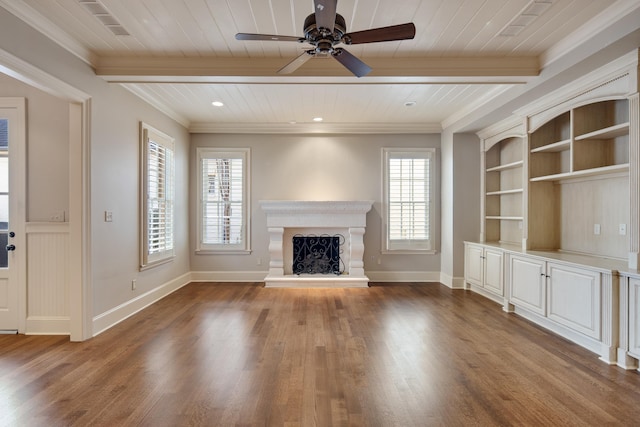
158, 194
223, 191
408, 183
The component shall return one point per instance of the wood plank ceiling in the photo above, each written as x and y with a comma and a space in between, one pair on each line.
181, 55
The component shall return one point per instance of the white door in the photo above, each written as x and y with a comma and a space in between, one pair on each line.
12, 202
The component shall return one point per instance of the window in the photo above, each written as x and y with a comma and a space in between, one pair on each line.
223, 199
157, 197
407, 187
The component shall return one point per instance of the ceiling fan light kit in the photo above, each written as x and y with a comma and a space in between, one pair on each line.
325, 29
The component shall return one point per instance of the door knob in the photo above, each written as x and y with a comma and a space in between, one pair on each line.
11, 247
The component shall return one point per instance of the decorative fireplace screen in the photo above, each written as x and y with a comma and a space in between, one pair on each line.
317, 254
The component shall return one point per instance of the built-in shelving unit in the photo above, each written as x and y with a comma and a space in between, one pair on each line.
588, 140
572, 195
578, 180
503, 189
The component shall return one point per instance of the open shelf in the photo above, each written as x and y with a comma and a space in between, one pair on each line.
505, 192
507, 166
554, 147
605, 170
504, 218
606, 133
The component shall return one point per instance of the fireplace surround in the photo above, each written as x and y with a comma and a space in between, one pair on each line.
286, 218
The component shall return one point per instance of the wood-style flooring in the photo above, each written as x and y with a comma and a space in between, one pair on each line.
216, 354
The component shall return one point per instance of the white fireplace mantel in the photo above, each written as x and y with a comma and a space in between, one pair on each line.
349, 217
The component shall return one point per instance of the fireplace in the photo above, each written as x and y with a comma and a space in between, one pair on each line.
317, 254
343, 222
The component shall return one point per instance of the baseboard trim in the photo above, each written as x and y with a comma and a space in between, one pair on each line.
110, 318
48, 325
228, 276
452, 282
403, 276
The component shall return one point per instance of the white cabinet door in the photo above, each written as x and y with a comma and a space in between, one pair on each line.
527, 281
573, 298
473, 264
634, 317
493, 267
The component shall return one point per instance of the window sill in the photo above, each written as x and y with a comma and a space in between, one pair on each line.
156, 263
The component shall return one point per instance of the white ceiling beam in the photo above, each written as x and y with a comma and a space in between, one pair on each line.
385, 70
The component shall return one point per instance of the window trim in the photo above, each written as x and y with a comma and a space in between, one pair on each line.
426, 247
212, 153
149, 133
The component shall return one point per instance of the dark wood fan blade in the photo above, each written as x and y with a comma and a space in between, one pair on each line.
382, 34
296, 63
268, 37
352, 63
325, 13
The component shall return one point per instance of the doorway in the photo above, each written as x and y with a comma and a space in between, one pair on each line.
12, 214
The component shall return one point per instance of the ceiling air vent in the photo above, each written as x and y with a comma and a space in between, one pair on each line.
95, 8
532, 10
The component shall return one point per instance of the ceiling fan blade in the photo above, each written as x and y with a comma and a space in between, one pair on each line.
382, 34
268, 37
325, 13
296, 63
350, 62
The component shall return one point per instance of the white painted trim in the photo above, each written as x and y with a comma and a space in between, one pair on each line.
608, 17
152, 100
565, 95
404, 276
40, 325
576, 337
51, 31
228, 276
46, 227
452, 282
112, 317
18, 271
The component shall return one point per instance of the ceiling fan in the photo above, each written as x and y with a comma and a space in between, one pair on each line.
324, 29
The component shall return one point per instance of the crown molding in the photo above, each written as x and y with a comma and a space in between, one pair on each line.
599, 77
157, 104
511, 125
40, 23
606, 19
316, 128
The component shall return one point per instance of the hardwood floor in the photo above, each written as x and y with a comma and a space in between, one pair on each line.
244, 355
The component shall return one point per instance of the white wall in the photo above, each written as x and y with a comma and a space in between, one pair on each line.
313, 167
47, 149
460, 188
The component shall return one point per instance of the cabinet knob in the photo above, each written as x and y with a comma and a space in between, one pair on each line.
11, 247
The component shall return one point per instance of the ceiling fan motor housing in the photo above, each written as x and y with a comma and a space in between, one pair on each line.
322, 38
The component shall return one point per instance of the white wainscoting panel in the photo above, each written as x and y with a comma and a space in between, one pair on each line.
48, 278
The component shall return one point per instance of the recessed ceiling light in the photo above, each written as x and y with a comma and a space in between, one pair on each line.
217, 104
317, 119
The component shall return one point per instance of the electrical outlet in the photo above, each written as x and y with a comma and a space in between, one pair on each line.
259, 261
596, 229
622, 229
133, 285
379, 260
57, 216
108, 216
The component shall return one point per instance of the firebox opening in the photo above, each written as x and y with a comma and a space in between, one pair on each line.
317, 254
